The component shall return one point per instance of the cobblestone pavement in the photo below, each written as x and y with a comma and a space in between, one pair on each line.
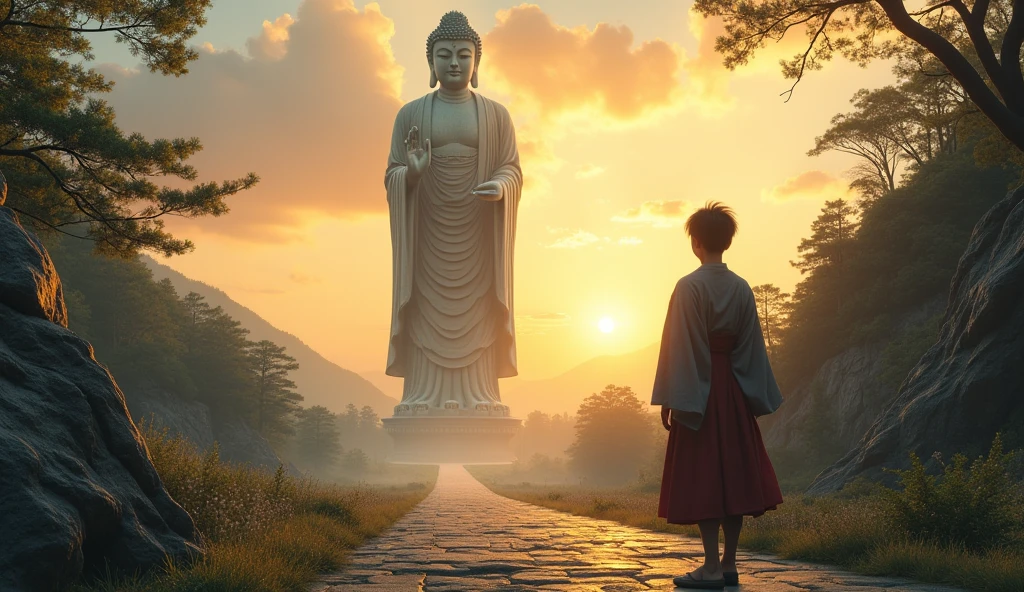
464, 537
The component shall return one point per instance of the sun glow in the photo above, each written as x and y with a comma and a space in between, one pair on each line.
606, 324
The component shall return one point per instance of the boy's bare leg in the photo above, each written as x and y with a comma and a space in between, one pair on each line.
731, 527
712, 568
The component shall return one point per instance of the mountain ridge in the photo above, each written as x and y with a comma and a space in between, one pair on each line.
319, 380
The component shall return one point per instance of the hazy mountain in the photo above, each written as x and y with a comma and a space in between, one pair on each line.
319, 380
566, 391
389, 385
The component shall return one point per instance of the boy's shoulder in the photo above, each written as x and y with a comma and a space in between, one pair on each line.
703, 276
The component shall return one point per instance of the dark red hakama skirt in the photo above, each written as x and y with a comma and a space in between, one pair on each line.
721, 469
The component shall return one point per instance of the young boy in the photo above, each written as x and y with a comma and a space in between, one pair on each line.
713, 380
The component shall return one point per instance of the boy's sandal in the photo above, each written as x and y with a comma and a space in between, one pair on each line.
731, 578
688, 581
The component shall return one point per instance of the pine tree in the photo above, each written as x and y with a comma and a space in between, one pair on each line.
773, 311
831, 234
69, 166
274, 400
317, 436
216, 354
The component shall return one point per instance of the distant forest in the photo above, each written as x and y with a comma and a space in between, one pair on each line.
150, 337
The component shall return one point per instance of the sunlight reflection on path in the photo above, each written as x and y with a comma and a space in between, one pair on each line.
463, 537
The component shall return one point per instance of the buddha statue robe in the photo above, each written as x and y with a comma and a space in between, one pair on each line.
452, 323
712, 300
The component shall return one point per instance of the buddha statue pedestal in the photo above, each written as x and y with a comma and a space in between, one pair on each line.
456, 437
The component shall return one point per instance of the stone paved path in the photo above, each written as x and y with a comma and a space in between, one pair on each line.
463, 537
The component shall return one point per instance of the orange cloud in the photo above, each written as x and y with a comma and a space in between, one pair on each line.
813, 185
589, 79
310, 110
557, 70
272, 43
660, 214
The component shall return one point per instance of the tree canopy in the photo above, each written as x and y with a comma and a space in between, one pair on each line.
71, 169
977, 44
613, 435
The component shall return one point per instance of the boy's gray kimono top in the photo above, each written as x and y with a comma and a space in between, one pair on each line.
710, 300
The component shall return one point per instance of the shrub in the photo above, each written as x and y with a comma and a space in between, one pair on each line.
974, 505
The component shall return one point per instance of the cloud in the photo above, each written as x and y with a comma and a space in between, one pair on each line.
310, 110
589, 171
272, 43
580, 238
813, 185
707, 78
560, 70
561, 79
660, 214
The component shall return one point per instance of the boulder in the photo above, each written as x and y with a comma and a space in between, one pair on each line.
971, 381
78, 491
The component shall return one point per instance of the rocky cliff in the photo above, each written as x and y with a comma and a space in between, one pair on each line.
78, 490
237, 442
848, 391
966, 386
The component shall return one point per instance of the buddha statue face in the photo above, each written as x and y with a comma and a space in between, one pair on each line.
453, 64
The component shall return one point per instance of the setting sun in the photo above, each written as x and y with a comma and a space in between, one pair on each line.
606, 324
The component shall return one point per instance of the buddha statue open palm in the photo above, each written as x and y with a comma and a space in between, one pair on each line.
453, 185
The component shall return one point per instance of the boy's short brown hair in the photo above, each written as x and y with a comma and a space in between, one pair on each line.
713, 226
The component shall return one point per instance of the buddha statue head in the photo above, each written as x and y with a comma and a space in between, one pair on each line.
453, 52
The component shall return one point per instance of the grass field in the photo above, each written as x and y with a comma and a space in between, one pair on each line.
853, 531
264, 532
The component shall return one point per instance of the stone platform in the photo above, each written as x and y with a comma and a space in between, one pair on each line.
465, 538
437, 439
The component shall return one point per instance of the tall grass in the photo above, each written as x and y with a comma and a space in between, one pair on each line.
262, 531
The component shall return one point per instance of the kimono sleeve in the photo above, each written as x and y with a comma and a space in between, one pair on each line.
750, 362
683, 379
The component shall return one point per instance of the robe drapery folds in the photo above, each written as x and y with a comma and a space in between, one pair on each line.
497, 159
712, 300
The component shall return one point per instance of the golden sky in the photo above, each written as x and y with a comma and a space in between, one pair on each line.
625, 119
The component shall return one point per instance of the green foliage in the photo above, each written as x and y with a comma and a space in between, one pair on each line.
831, 235
902, 257
151, 338
274, 400
772, 312
70, 168
613, 435
356, 461
973, 504
318, 438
